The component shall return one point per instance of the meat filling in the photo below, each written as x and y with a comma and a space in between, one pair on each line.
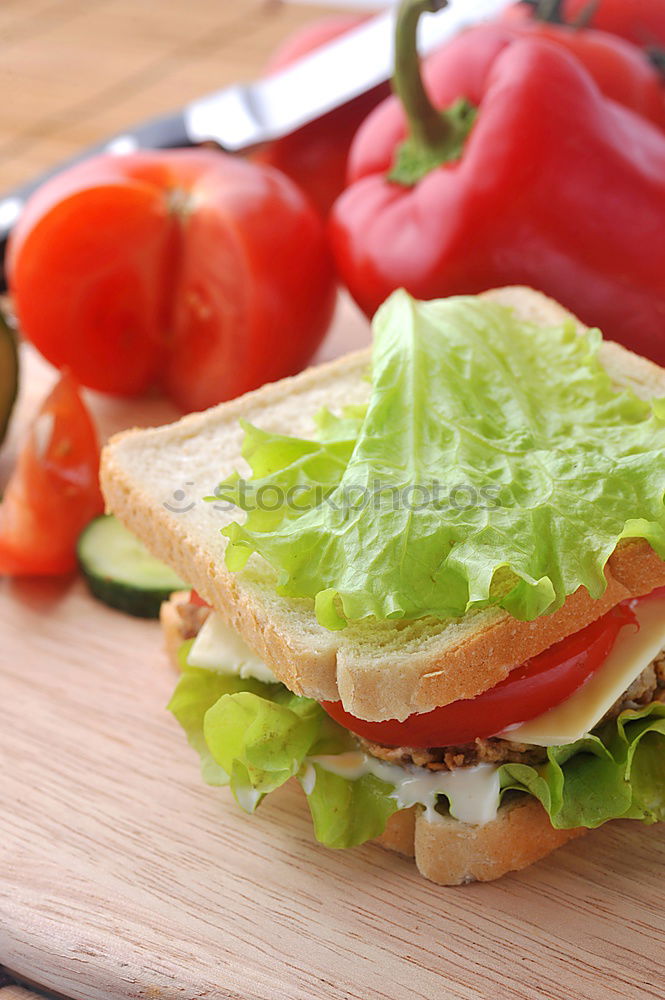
192, 617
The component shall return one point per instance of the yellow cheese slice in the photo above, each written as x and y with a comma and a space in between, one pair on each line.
217, 647
632, 652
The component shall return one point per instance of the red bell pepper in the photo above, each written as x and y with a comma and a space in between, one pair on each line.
639, 21
315, 155
555, 187
622, 71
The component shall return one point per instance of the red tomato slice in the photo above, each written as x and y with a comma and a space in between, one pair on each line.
531, 689
195, 598
54, 490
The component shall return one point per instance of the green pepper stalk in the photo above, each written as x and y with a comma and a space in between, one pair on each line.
434, 137
551, 12
546, 10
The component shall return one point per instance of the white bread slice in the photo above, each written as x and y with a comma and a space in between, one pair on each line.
452, 853
447, 852
379, 671
172, 625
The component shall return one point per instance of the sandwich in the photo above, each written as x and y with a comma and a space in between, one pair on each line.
427, 583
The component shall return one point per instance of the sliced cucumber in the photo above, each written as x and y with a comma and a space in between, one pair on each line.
8, 374
120, 572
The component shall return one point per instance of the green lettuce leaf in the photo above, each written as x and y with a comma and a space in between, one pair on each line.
260, 742
616, 772
494, 464
197, 691
255, 736
348, 813
305, 472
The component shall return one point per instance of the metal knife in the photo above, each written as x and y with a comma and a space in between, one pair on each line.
244, 115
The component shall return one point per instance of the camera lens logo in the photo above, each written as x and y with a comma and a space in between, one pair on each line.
182, 503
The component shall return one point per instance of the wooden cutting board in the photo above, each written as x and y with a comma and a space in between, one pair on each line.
17, 993
123, 876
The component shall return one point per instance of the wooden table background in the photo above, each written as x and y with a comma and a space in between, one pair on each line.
584, 925
74, 71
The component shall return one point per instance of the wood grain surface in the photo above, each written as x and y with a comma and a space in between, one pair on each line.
75, 71
121, 874
17, 993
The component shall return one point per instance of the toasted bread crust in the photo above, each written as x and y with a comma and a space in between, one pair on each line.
452, 853
385, 671
400, 833
171, 623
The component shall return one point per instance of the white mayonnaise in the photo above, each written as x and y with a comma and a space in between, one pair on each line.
473, 792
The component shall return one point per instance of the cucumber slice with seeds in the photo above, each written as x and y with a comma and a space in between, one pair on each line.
120, 571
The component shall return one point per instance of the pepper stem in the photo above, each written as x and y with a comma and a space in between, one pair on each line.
546, 10
426, 126
656, 56
585, 17
434, 136
552, 12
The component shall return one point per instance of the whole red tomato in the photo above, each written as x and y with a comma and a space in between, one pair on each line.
190, 270
315, 156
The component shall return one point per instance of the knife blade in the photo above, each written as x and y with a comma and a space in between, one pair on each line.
244, 115
334, 74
